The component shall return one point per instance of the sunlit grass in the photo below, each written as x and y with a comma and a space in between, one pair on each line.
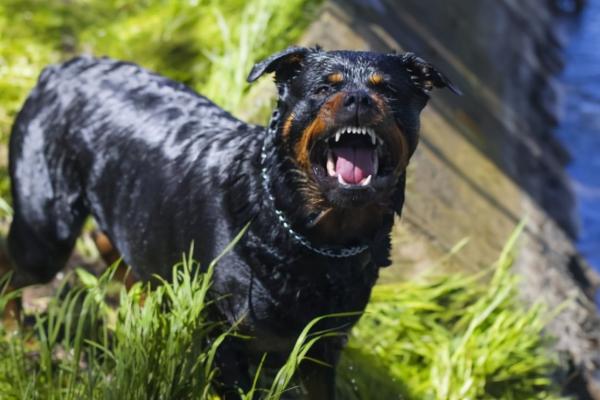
209, 45
451, 338
457, 337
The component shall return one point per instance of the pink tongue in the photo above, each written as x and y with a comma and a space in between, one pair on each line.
353, 163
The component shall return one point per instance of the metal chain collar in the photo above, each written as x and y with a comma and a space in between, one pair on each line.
324, 251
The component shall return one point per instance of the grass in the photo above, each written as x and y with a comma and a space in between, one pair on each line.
209, 45
457, 337
449, 338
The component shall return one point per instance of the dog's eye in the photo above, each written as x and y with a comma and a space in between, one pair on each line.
322, 90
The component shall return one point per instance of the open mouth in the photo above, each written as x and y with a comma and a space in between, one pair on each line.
351, 155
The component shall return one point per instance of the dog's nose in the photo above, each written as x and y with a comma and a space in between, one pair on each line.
357, 100
358, 107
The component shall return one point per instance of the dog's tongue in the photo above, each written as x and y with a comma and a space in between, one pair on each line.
353, 163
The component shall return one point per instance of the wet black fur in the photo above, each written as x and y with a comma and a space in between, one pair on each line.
159, 166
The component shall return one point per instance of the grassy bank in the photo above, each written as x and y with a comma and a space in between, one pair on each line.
450, 338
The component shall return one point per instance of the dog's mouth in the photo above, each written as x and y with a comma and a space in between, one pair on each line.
352, 157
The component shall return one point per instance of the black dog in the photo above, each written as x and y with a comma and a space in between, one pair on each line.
159, 166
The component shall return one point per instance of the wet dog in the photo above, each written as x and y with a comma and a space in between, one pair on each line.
159, 166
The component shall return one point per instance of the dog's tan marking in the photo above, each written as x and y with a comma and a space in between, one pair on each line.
393, 133
376, 79
380, 104
323, 120
336, 77
287, 125
110, 255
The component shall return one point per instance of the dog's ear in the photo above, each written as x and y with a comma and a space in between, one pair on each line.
424, 75
284, 64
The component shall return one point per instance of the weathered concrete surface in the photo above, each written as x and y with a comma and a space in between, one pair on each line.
487, 159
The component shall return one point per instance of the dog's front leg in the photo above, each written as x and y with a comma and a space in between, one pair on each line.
318, 379
233, 374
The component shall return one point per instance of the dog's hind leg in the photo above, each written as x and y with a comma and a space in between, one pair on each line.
110, 255
48, 201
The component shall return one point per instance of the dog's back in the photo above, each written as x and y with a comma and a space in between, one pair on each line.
103, 137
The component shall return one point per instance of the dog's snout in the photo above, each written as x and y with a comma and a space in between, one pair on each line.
358, 107
357, 100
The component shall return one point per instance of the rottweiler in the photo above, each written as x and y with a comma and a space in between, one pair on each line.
158, 166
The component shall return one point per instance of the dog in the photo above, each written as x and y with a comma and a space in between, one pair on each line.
159, 166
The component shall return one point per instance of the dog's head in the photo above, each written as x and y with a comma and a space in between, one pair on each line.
348, 119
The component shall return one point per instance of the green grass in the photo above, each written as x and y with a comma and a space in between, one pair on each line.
209, 45
456, 337
450, 338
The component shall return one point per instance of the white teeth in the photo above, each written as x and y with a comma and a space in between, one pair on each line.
373, 137
365, 182
341, 181
358, 130
330, 164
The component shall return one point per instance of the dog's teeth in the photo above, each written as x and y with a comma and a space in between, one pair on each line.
330, 164
341, 180
337, 136
373, 139
366, 181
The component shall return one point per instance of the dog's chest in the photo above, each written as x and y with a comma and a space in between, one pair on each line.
283, 302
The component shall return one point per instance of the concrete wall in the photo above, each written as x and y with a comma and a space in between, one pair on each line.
487, 159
